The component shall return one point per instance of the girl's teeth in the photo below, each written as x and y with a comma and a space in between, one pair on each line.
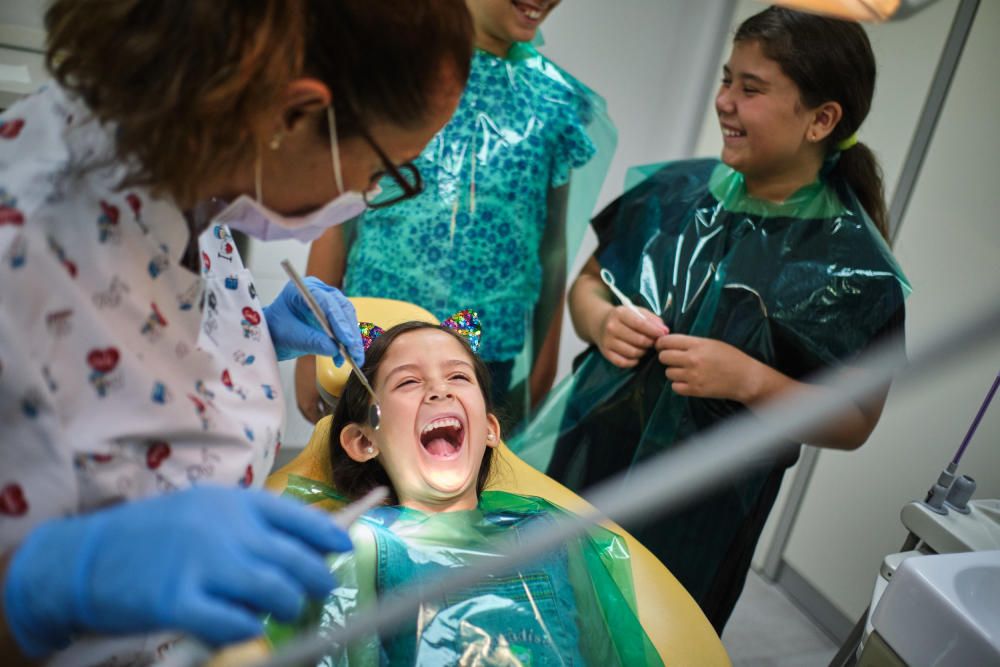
440, 423
530, 12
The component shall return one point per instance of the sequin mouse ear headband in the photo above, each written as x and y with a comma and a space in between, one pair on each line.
465, 323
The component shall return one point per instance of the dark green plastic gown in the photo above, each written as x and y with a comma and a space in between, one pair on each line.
799, 285
575, 607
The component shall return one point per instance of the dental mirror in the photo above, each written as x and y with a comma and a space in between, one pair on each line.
374, 410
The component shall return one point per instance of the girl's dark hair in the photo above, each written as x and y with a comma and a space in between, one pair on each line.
829, 60
186, 81
355, 479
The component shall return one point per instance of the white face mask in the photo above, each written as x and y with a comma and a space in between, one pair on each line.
251, 217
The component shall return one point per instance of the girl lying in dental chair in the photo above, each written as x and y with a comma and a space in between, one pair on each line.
434, 450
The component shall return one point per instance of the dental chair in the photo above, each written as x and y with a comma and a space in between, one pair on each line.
672, 620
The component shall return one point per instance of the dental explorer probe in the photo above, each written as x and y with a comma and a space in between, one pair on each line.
374, 410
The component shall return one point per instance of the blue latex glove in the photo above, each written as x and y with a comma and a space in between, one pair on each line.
207, 561
296, 332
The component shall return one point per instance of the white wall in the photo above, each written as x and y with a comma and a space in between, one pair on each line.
22, 67
646, 57
949, 245
24, 13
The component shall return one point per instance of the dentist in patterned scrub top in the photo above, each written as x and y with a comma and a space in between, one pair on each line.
140, 403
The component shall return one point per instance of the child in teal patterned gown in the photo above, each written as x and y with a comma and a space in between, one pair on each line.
488, 232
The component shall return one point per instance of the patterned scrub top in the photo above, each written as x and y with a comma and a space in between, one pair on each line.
471, 239
122, 373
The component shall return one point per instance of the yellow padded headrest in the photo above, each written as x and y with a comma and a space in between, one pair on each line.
384, 312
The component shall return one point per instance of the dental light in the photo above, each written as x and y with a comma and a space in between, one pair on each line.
875, 11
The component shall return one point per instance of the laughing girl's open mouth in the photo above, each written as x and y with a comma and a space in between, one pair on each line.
442, 438
529, 10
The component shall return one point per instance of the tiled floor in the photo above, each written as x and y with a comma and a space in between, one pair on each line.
768, 630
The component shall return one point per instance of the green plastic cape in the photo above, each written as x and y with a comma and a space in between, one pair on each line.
577, 606
799, 285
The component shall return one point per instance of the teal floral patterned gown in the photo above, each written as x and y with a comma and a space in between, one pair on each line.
472, 238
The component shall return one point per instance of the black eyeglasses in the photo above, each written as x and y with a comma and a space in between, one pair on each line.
405, 182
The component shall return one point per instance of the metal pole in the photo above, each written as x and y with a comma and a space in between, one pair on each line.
943, 76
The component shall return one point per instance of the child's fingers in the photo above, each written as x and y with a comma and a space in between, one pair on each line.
674, 342
626, 350
677, 374
644, 322
673, 358
624, 334
681, 388
618, 360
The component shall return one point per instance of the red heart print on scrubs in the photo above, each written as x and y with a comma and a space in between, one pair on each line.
110, 212
247, 478
226, 379
158, 451
10, 216
251, 315
12, 501
103, 361
11, 128
134, 203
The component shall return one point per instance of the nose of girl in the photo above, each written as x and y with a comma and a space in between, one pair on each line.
723, 102
439, 392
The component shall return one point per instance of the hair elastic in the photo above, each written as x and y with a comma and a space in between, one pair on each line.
849, 142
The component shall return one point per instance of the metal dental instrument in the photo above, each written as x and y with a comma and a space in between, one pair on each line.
351, 513
374, 410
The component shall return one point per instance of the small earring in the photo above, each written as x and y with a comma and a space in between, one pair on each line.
490, 437
275, 142
369, 450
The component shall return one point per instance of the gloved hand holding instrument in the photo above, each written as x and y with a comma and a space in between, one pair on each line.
209, 561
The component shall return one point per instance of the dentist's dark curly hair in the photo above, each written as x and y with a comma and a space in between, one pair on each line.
354, 479
188, 84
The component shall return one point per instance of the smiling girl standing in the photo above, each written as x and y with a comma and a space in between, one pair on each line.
756, 272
